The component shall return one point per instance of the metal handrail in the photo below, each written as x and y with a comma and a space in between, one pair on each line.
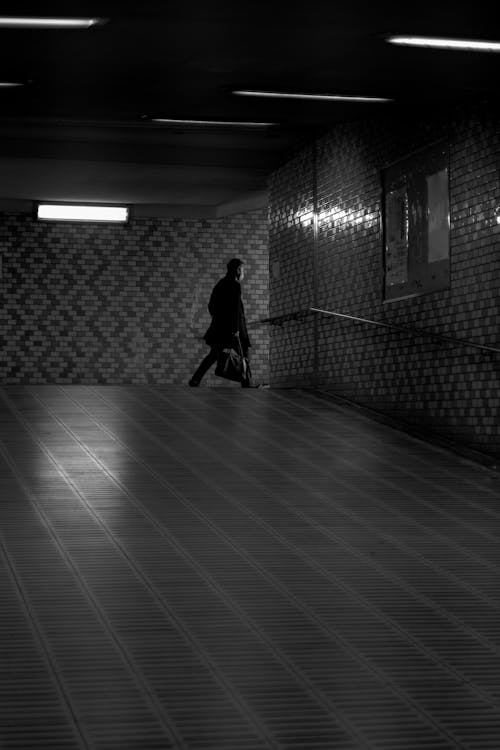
407, 329
279, 319
296, 314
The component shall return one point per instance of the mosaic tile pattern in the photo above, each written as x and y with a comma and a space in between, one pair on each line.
451, 391
108, 304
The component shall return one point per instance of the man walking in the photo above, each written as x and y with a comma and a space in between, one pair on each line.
228, 321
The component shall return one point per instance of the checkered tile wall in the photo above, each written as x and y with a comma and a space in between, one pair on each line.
123, 304
448, 389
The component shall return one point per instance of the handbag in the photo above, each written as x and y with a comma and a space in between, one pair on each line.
232, 365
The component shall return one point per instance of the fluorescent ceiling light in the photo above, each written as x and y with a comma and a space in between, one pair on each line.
25, 22
213, 122
9, 84
443, 43
315, 97
67, 212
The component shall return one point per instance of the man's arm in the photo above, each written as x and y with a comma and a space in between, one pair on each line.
234, 310
214, 301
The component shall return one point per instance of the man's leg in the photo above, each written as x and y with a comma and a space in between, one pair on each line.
205, 365
246, 381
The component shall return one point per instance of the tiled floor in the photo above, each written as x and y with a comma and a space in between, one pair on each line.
235, 570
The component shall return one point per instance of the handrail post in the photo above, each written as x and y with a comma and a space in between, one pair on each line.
315, 265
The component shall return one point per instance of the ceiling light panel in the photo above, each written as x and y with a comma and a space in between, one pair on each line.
68, 212
444, 43
313, 97
232, 124
25, 22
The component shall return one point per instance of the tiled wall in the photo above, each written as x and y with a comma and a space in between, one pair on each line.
291, 270
448, 389
122, 304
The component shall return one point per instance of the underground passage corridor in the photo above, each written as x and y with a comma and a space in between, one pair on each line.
222, 569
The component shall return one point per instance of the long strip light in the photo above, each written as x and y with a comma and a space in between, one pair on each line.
227, 123
24, 22
444, 43
315, 97
68, 212
9, 84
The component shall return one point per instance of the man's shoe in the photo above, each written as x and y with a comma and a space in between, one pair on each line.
194, 383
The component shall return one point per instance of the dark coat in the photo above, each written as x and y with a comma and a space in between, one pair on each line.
228, 315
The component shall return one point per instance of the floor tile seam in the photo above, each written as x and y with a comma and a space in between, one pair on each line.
409, 551
109, 630
442, 488
356, 410
296, 673
408, 438
226, 538
356, 553
183, 628
248, 557
402, 490
134, 670
66, 704
347, 646
398, 514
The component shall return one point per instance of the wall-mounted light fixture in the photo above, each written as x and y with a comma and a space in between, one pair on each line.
80, 212
35, 22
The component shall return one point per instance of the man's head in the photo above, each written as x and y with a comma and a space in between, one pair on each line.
235, 269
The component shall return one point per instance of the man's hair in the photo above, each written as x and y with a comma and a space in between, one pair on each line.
233, 265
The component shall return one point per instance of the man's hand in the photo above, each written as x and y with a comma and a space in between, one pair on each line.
237, 334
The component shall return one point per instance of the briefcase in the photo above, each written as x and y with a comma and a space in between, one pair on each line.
231, 365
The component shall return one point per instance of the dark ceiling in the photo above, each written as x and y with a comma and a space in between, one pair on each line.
80, 128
